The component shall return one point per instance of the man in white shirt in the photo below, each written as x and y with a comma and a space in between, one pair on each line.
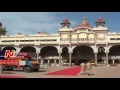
82, 65
89, 68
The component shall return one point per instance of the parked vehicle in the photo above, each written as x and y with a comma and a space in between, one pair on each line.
22, 60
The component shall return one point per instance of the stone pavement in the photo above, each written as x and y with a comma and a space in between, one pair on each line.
97, 72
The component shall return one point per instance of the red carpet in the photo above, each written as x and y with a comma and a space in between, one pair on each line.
3, 76
67, 72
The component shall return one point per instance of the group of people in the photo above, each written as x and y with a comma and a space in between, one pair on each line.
86, 68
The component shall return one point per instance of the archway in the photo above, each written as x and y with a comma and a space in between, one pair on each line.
101, 56
8, 48
82, 54
65, 54
31, 50
114, 54
49, 53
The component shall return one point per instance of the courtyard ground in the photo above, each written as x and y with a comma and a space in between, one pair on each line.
97, 72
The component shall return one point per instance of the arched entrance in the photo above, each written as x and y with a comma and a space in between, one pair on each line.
65, 54
31, 50
82, 54
114, 55
101, 56
49, 53
8, 48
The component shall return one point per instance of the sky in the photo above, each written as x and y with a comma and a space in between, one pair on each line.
33, 22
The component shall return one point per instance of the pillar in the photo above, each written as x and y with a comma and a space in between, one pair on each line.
70, 58
107, 58
59, 57
55, 61
70, 55
17, 49
37, 56
48, 61
113, 61
95, 58
41, 62
37, 52
2, 48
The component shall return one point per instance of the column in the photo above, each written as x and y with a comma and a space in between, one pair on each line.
59, 57
48, 62
106, 58
37, 52
18, 49
96, 52
41, 62
70, 55
55, 61
70, 58
113, 61
2, 48
95, 58
37, 56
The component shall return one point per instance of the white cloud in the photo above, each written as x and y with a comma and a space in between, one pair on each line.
31, 22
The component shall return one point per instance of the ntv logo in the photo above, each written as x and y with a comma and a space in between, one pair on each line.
9, 54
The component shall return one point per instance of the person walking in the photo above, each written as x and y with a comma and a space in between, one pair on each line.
82, 65
88, 68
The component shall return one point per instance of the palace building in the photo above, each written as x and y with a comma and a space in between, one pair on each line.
78, 44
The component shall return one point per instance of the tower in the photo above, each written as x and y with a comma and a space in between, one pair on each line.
65, 30
65, 23
2, 30
100, 26
100, 22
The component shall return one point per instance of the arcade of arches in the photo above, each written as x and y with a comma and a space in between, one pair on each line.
83, 53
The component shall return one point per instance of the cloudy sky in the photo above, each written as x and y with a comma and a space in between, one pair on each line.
33, 22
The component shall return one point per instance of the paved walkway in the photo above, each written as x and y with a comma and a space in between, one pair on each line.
97, 72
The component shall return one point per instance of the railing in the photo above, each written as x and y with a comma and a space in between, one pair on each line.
111, 57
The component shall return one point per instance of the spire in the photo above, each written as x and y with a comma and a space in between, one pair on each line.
85, 22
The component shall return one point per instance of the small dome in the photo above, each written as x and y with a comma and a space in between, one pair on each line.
65, 21
100, 19
0, 24
19, 33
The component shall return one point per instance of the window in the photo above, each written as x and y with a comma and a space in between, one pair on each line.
85, 39
17, 40
112, 38
32, 40
7, 41
13, 41
42, 40
90, 39
27, 40
54, 39
48, 40
117, 38
82, 39
3, 41
21, 40
37, 40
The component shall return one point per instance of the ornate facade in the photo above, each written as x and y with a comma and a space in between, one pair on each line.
82, 43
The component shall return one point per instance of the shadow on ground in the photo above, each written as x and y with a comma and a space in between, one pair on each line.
6, 72
32, 71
